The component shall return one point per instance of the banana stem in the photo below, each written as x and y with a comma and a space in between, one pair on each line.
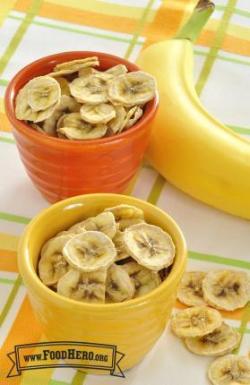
192, 29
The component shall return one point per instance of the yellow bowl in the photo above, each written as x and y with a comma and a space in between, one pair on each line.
132, 326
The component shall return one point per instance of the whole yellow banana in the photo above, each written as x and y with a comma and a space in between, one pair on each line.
188, 146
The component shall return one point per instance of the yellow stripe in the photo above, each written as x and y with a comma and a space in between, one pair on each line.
8, 242
101, 7
6, 6
2, 105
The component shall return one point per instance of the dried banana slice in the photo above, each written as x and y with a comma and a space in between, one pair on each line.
221, 341
67, 104
144, 280
23, 110
82, 286
52, 264
101, 113
118, 123
90, 251
134, 114
42, 93
126, 212
86, 72
226, 289
150, 246
132, 88
119, 69
91, 90
196, 321
73, 127
119, 286
125, 223
104, 222
72, 66
230, 370
122, 252
190, 290
64, 85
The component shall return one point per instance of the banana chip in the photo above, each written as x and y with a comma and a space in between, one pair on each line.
190, 291
122, 252
230, 370
150, 246
133, 115
119, 69
119, 285
102, 113
126, 212
73, 127
133, 88
42, 93
83, 286
90, 251
144, 280
104, 222
52, 264
72, 66
221, 341
226, 289
196, 321
91, 89
117, 124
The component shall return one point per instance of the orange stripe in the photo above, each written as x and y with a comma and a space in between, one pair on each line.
233, 315
25, 329
92, 19
168, 21
8, 261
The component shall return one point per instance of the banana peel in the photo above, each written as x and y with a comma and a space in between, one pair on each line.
189, 147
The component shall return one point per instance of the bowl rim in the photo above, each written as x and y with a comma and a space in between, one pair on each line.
30, 272
25, 129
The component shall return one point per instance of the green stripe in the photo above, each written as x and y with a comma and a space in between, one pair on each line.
11, 299
243, 326
219, 36
156, 190
75, 30
78, 378
55, 382
223, 57
240, 130
4, 82
237, 11
139, 29
17, 38
6, 140
7, 281
220, 260
14, 218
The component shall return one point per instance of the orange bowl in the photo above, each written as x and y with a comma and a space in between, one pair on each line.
61, 168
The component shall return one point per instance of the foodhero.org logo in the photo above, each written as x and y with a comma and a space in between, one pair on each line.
70, 354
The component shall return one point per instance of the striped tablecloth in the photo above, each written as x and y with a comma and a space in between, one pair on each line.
33, 28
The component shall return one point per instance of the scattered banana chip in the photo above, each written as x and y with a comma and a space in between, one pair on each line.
90, 261
133, 88
226, 289
83, 286
90, 251
119, 286
109, 102
190, 290
150, 246
230, 370
221, 341
102, 113
196, 321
